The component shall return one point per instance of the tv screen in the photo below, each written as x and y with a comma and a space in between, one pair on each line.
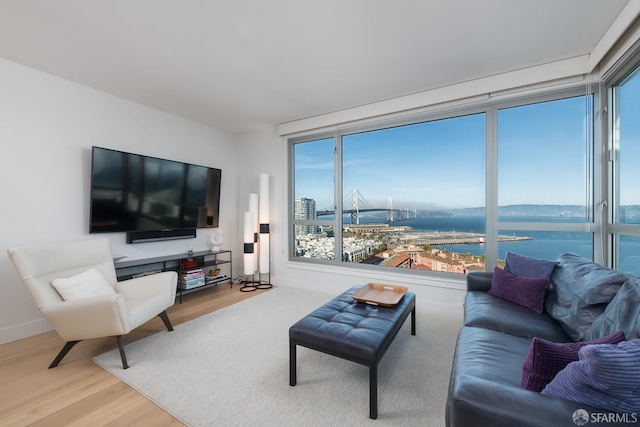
132, 192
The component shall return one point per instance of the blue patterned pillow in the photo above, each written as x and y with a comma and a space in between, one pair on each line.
606, 376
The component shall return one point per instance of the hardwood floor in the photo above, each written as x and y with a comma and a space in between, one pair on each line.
80, 393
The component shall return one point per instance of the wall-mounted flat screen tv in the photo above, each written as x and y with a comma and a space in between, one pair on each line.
132, 192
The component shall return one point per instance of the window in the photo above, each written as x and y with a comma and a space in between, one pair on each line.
450, 192
626, 173
412, 192
313, 199
545, 178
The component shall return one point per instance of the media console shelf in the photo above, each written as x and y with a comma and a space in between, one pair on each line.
201, 275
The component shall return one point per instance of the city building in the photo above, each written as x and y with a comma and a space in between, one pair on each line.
305, 209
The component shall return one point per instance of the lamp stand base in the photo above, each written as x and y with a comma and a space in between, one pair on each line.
249, 285
264, 284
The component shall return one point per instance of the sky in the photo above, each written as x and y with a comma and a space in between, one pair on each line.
542, 159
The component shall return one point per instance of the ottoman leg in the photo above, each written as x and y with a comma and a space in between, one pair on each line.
292, 363
413, 321
373, 391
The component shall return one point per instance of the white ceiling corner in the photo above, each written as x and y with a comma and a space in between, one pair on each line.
249, 64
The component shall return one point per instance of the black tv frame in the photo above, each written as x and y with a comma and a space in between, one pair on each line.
131, 181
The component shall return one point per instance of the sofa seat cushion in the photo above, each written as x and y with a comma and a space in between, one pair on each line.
486, 311
485, 388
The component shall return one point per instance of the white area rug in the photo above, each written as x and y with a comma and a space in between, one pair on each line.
231, 368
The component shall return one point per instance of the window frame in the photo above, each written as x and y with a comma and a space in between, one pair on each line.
617, 76
490, 108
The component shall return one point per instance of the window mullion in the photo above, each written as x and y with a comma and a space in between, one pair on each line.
338, 197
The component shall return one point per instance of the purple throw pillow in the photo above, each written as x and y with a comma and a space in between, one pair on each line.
524, 291
545, 359
520, 265
605, 376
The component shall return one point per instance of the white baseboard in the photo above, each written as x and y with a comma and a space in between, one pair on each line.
25, 330
445, 300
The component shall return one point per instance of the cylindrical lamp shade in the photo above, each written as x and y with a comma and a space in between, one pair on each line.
249, 263
263, 217
253, 208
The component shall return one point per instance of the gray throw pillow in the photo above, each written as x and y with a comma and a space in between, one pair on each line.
622, 313
579, 292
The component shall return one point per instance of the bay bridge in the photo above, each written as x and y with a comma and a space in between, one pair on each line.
358, 204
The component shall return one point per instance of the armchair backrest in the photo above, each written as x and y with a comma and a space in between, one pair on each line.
40, 264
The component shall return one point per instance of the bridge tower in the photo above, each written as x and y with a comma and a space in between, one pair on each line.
354, 206
390, 209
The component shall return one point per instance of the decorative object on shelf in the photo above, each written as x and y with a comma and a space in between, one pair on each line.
215, 240
188, 264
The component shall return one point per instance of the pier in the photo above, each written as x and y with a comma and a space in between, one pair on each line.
455, 238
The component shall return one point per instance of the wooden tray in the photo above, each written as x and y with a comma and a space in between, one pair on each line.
380, 294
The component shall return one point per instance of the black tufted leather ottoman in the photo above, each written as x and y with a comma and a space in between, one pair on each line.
354, 331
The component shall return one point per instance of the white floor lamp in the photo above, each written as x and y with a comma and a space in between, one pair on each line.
256, 239
263, 217
249, 254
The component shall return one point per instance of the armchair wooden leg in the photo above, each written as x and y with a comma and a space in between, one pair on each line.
63, 353
122, 355
166, 320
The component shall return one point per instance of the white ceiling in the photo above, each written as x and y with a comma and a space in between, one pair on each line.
242, 65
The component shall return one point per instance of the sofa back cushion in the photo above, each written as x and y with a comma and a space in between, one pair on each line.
579, 292
622, 313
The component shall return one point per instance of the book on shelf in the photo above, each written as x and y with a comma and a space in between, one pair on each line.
192, 279
190, 284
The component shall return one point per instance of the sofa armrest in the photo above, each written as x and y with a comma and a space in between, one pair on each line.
479, 280
480, 402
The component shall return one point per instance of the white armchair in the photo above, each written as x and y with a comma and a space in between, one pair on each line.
132, 302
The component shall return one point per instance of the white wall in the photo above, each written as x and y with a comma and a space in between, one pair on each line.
47, 128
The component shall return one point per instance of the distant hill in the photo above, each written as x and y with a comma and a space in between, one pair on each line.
526, 210
631, 213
